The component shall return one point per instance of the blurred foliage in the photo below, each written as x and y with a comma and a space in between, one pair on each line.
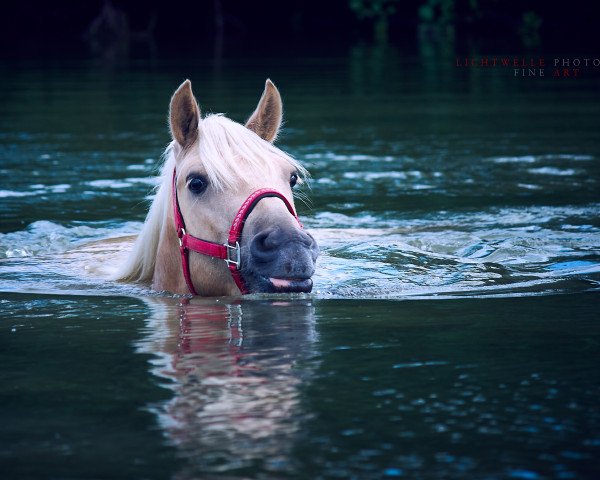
441, 20
440, 12
373, 8
529, 29
379, 12
436, 18
31, 27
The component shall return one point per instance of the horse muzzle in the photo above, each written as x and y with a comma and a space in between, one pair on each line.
280, 260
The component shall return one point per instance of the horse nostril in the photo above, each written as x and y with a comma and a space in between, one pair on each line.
271, 240
264, 245
266, 240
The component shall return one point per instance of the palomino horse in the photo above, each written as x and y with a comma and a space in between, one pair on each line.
223, 220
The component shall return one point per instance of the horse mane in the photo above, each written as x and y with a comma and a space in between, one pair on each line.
231, 154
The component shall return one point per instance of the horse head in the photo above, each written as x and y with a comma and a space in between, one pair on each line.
227, 179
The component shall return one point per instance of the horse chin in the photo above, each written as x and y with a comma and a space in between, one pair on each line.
264, 284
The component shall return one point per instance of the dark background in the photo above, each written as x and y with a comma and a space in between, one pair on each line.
32, 29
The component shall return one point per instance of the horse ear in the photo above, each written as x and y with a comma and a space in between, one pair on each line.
184, 115
266, 119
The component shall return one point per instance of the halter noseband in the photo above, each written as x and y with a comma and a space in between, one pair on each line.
230, 251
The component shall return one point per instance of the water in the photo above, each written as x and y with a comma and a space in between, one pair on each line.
453, 328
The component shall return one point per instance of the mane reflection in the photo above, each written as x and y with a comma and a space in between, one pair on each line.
231, 367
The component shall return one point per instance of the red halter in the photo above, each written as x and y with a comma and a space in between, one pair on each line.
230, 251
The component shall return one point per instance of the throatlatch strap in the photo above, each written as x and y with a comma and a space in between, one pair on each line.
186, 270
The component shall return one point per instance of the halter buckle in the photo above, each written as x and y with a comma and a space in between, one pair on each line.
237, 256
180, 234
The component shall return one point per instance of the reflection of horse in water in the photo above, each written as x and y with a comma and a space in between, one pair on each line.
231, 368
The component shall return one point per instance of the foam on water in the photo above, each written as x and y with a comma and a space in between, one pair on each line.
512, 251
553, 171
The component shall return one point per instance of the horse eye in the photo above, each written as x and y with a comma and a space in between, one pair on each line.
293, 179
197, 185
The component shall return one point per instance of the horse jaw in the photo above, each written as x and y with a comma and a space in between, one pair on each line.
214, 280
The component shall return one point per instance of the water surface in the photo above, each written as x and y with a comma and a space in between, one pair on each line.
453, 328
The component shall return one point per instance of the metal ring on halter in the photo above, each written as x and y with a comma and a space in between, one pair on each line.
238, 254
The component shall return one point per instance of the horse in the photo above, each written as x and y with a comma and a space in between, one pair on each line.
223, 221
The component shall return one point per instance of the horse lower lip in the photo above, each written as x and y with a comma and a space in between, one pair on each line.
291, 284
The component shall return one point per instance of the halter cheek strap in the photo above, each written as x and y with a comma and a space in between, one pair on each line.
229, 252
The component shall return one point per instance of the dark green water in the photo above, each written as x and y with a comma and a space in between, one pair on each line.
453, 331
